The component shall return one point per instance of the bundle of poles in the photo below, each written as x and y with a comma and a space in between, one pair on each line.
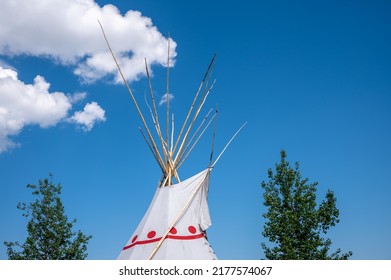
170, 154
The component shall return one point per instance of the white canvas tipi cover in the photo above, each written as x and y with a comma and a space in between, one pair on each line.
179, 215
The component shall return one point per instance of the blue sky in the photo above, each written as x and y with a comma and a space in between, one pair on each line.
310, 78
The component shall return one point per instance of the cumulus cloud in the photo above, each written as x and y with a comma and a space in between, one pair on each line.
91, 114
164, 98
68, 32
30, 104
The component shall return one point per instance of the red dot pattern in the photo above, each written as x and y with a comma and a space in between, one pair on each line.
192, 229
151, 234
173, 230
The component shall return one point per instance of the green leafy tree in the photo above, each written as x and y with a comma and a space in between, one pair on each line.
50, 235
295, 225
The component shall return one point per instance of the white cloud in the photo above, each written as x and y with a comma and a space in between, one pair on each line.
164, 98
68, 31
27, 104
30, 104
91, 114
76, 97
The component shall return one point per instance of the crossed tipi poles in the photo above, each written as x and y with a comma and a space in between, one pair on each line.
170, 154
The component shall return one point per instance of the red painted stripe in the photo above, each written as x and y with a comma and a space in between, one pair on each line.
176, 237
142, 242
187, 237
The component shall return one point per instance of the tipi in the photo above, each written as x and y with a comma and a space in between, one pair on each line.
175, 224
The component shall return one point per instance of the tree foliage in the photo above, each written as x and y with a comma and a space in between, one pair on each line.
295, 225
50, 235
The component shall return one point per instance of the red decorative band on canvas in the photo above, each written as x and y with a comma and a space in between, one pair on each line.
176, 237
